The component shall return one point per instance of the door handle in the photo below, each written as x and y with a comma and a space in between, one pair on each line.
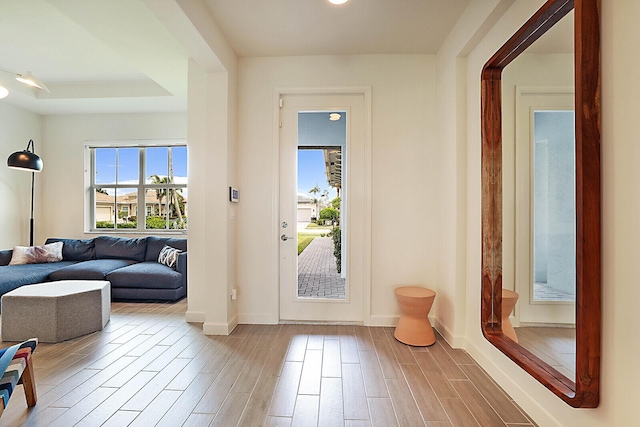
284, 237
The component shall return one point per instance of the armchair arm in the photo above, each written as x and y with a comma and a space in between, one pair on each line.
5, 256
181, 267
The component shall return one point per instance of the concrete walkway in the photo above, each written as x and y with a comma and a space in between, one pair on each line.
317, 274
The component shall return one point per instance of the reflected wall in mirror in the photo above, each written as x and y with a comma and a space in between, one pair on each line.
541, 198
538, 140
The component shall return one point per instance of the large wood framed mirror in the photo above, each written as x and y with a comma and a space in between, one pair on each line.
579, 384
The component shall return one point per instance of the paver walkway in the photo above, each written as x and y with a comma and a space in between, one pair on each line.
317, 273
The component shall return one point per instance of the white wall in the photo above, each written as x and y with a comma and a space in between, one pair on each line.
404, 183
212, 160
621, 232
61, 212
529, 70
18, 127
452, 163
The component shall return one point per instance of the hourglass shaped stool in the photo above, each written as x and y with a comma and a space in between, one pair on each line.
413, 326
509, 300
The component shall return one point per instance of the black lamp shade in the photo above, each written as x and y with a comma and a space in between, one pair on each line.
25, 160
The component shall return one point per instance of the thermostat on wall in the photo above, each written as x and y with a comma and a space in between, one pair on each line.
234, 195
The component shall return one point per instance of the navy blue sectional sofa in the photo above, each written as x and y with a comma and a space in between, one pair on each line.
131, 265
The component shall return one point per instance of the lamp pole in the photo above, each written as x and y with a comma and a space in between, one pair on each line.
31, 222
27, 160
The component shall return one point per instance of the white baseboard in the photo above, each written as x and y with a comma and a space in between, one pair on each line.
383, 320
195, 316
210, 328
455, 341
512, 385
257, 319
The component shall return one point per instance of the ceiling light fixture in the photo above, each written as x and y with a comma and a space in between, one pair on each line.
334, 117
338, 1
30, 80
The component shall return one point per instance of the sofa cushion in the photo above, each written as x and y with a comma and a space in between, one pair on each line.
108, 247
36, 254
140, 294
76, 249
14, 276
96, 269
148, 275
155, 245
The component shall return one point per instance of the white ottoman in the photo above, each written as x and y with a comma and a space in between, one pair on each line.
56, 311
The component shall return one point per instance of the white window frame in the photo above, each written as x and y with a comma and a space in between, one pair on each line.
141, 187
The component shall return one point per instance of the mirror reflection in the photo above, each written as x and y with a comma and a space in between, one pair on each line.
539, 222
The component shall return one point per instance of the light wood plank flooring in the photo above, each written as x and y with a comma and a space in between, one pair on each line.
149, 367
556, 346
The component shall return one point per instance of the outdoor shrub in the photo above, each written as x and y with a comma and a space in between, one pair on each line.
128, 225
330, 214
337, 247
181, 225
109, 224
156, 222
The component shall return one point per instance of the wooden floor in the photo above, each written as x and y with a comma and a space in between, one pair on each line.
149, 367
556, 346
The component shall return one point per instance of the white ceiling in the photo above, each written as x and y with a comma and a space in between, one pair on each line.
316, 27
94, 55
99, 56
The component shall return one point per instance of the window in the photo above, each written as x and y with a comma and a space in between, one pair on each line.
121, 176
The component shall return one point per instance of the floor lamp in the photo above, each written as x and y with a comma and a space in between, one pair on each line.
29, 161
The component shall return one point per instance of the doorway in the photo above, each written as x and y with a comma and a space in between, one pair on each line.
545, 221
321, 205
323, 189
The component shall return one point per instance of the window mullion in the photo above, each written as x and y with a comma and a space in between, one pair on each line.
115, 201
142, 193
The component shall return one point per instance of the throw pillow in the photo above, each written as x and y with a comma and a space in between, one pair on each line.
169, 256
37, 254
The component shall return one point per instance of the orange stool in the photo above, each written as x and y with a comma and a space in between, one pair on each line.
413, 326
509, 300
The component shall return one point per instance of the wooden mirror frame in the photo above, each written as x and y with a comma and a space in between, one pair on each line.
585, 391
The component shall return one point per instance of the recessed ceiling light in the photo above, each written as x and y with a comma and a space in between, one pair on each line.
3, 92
338, 1
334, 117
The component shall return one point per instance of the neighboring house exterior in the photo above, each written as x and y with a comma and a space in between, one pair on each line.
306, 208
127, 205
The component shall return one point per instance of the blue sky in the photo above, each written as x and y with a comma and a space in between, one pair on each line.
311, 172
156, 163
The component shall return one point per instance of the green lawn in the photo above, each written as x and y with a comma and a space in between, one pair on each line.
319, 227
304, 240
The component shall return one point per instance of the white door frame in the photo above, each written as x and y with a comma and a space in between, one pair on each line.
365, 91
529, 312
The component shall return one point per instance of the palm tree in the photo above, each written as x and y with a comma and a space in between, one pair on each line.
315, 190
323, 198
175, 199
160, 192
